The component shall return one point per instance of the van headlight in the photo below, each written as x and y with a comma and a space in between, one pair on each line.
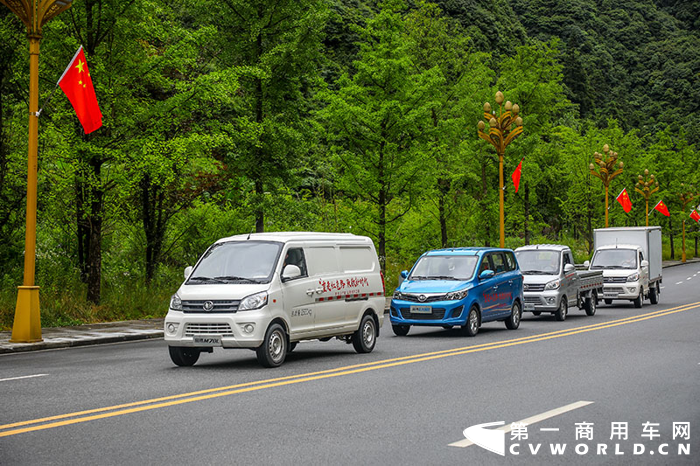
553, 285
456, 295
633, 278
254, 301
175, 303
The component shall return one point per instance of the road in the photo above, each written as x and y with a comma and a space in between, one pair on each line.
408, 402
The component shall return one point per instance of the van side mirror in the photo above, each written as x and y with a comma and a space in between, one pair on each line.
645, 263
188, 271
569, 268
290, 271
587, 264
404, 274
486, 274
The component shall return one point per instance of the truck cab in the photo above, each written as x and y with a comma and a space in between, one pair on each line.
625, 272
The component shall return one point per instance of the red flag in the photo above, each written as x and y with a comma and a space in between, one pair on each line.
624, 200
661, 207
77, 85
695, 215
516, 175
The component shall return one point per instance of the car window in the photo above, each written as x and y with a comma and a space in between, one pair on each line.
499, 262
567, 258
510, 261
295, 256
485, 264
641, 257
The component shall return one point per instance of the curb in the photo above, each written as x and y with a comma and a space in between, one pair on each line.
44, 345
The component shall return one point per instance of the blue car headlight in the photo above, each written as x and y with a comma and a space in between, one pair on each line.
456, 295
398, 295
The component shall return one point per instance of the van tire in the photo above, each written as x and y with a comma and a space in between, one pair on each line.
654, 294
365, 337
183, 356
513, 321
560, 315
400, 330
639, 300
274, 348
471, 326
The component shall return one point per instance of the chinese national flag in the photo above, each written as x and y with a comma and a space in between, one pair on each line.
77, 85
695, 215
661, 207
516, 175
624, 200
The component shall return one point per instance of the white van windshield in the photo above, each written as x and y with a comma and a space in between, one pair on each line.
444, 268
615, 259
237, 262
538, 261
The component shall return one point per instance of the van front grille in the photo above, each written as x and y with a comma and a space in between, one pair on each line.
208, 329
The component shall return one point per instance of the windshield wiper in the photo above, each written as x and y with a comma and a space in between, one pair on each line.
238, 279
418, 277
206, 279
441, 277
537, 272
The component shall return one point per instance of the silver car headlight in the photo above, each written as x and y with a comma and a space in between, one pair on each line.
633, 278
175, 303
254, 301
456, 295
553, 285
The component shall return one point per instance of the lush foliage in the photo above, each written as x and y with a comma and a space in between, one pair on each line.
334, 115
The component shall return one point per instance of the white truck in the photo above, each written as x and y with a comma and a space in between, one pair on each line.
630, 259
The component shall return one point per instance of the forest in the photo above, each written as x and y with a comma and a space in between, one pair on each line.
239, 116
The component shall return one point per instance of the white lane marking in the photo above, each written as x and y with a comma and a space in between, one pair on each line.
24, 377
530, 420
689, 278
663, 287
679, 283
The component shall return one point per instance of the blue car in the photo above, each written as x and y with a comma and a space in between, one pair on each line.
460, 286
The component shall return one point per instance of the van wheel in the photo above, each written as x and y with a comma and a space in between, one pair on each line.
400, 330
639, 300
590, 304
563, 310
183, 356
274, 348
366, 336
654, 294
471, 326
513, 322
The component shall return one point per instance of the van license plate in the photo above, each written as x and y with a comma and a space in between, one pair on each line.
421, 310
209, 340
529, 306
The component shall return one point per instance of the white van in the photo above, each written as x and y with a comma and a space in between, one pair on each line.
268, 291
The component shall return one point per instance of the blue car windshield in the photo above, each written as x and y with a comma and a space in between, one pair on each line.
444, 268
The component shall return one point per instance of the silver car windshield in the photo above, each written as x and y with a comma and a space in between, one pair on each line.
444, 268
237, 262
615, 259
538, 261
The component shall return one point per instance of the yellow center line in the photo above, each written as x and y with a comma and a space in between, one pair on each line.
157, 403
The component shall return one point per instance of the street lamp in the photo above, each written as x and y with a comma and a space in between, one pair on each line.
606, 171
686, 197
644, 187
501, 133
34, 14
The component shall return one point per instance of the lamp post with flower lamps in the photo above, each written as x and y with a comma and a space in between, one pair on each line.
646, 187
34, 14
686, 198
606, 162
503, 128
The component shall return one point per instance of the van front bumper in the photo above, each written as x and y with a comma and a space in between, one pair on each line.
543, 301
628, 290
235, 330
440, 313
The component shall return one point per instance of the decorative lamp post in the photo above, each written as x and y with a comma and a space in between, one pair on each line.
686, 197
646, 188
606, 163
502, 129
34, 14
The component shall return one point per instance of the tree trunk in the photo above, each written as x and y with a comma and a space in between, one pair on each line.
95, 218
82, 227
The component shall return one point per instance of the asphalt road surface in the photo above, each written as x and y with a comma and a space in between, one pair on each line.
606, 389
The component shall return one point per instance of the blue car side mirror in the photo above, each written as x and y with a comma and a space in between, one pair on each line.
486, 274
404, 274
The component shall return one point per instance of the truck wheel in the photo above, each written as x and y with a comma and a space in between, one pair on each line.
366, 336
400, 330
513, 322
654, 294
471, 326
563, 310
639, 300
183, 356
608, 301
274, 348
590, 304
